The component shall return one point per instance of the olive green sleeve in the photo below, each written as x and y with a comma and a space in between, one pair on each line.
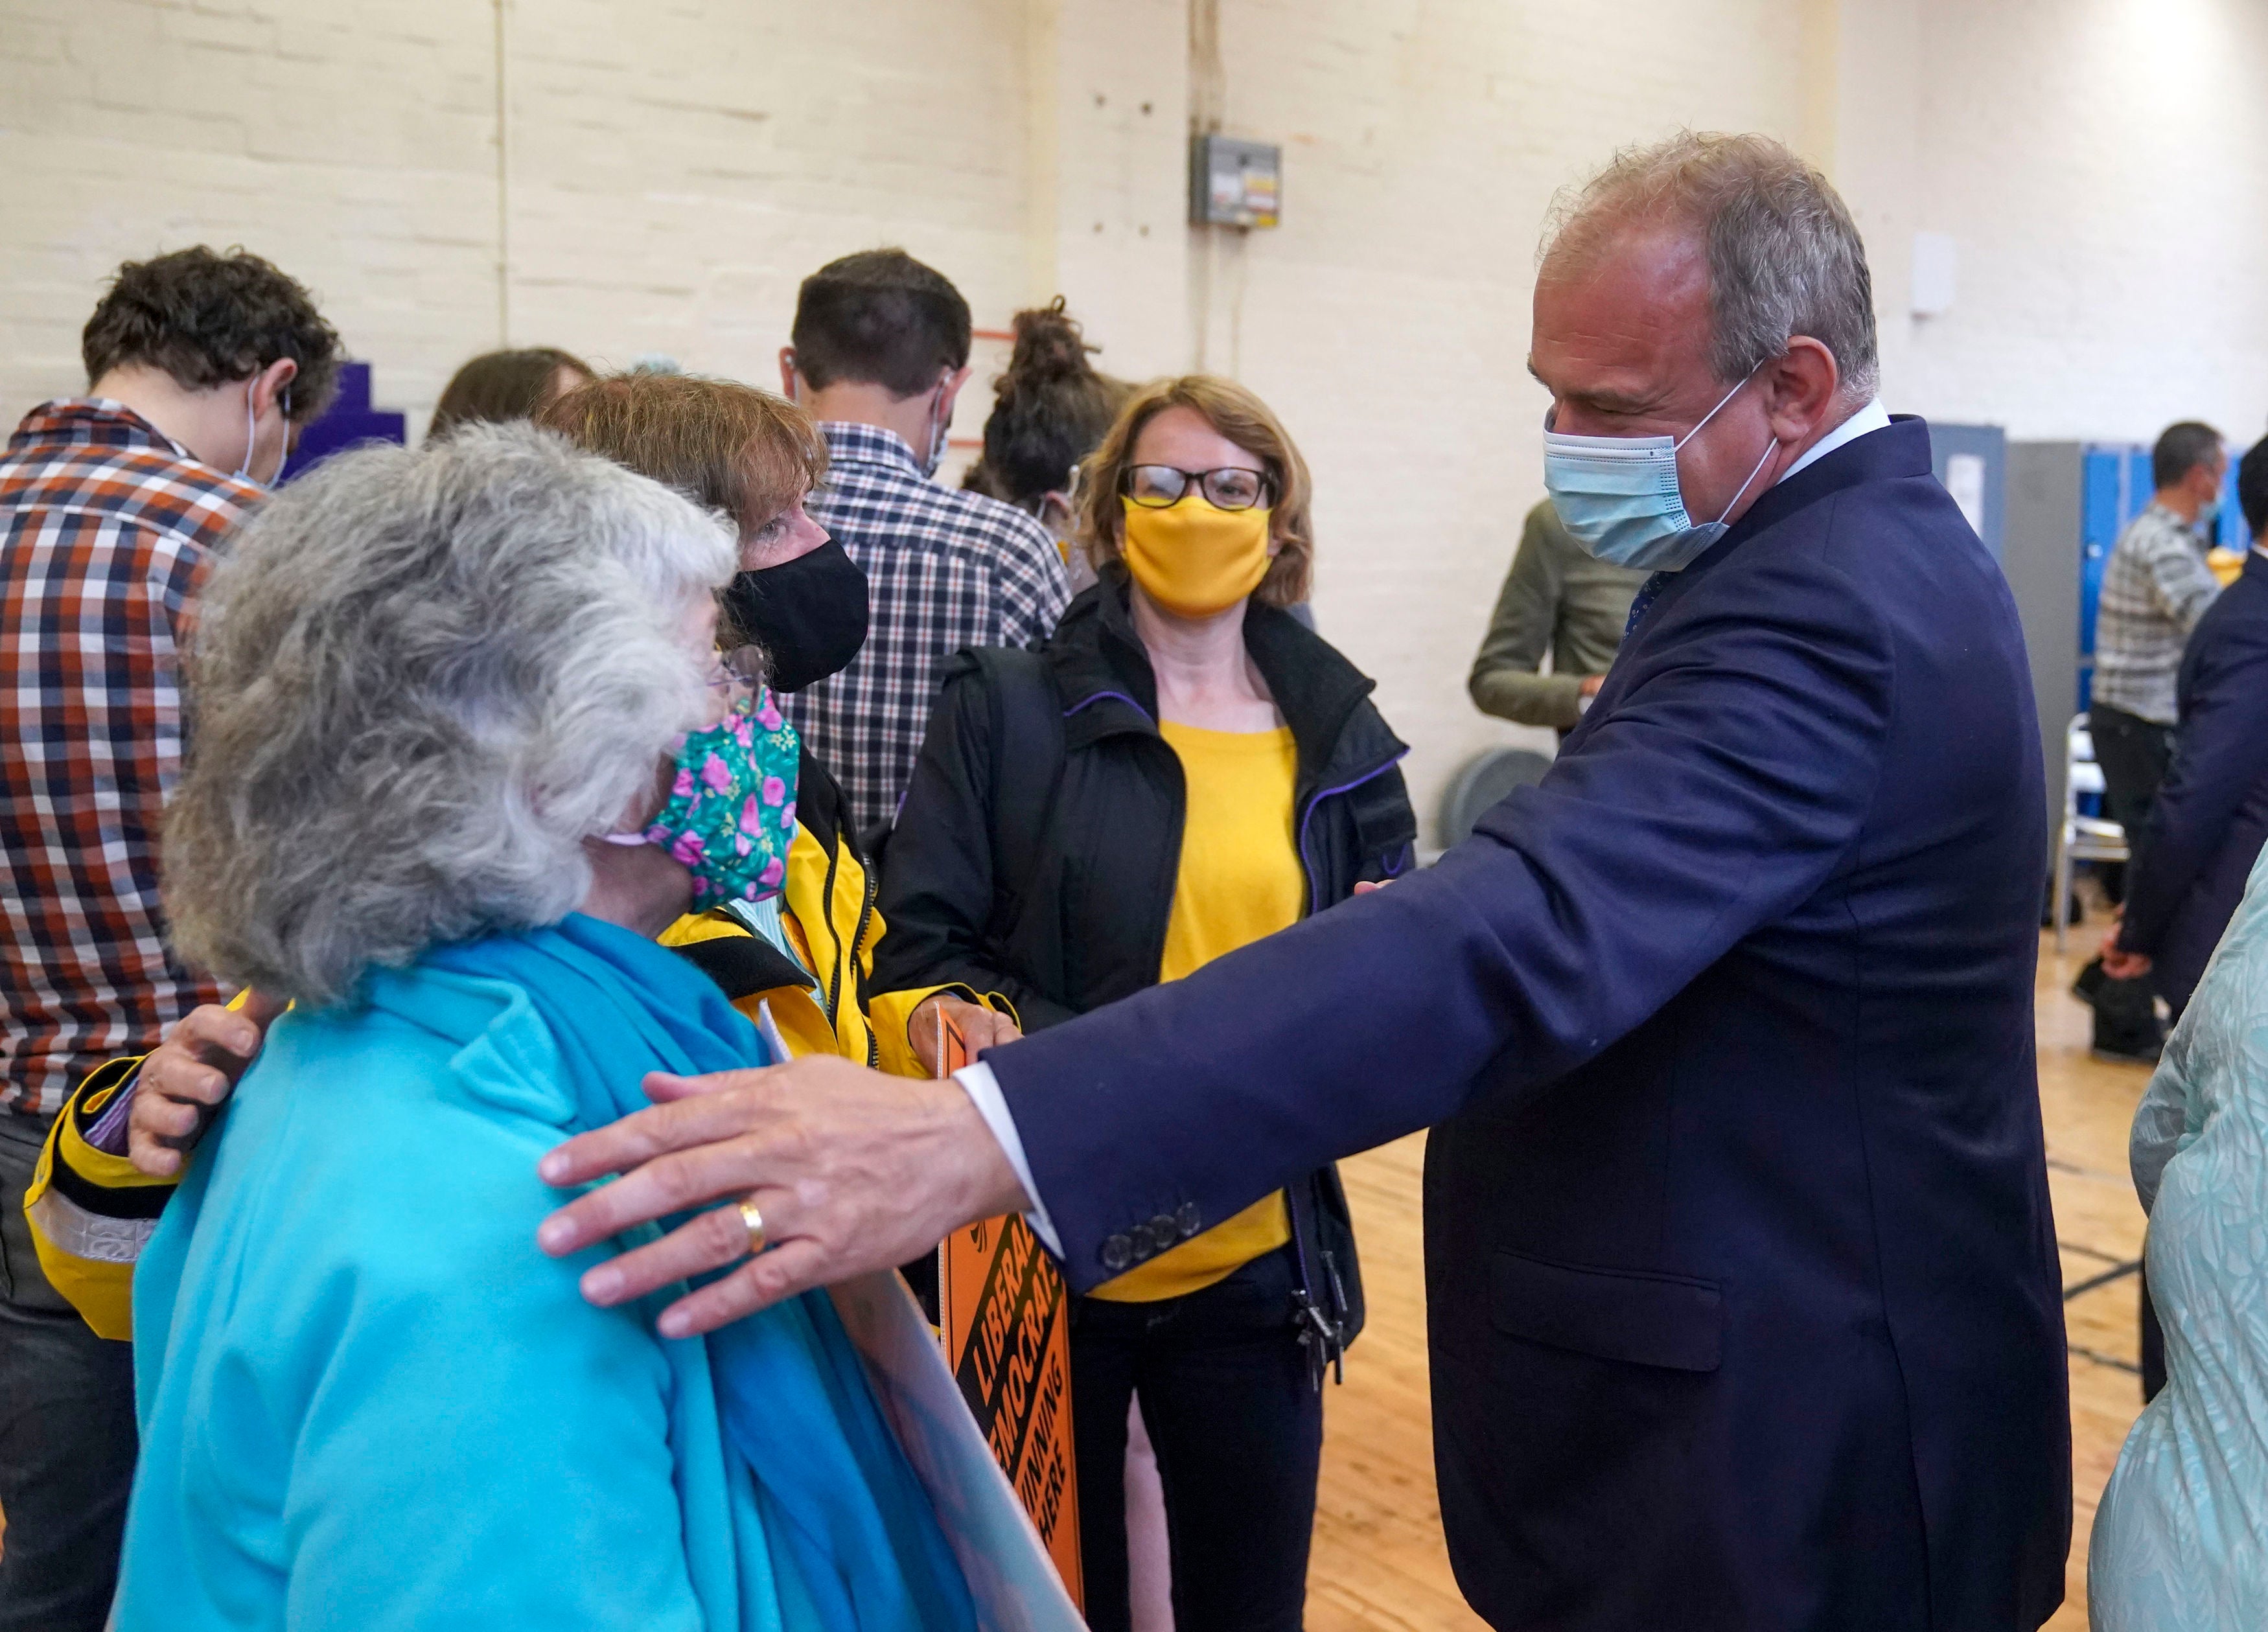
1504, 681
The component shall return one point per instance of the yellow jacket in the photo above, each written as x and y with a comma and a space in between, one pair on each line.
90, 1211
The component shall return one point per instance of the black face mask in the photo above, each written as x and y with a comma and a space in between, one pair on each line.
809, 614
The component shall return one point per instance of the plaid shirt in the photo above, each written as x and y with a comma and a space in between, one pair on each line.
2154, 590
106, 529
944, 571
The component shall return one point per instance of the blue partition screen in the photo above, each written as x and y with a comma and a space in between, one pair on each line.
349, 420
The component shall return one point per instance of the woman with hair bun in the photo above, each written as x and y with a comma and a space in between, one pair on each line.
1051, 409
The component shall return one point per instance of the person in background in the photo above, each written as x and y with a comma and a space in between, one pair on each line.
878, 355
1180, 771
522, 761
497, 386
2154, 589
201, 369
1559, 599
2181, 1535
1051, 409
2210, 817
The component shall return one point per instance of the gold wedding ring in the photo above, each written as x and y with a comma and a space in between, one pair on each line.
754, 1220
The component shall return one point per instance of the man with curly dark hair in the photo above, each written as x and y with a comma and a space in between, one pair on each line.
200, 367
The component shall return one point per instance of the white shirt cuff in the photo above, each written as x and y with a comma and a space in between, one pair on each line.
984, 1091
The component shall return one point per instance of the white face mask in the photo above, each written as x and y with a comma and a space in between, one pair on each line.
243, 472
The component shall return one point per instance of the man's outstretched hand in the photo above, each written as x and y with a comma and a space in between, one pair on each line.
852, 1170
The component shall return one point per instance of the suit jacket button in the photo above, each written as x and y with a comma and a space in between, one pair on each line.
1164, 1231
1117, 1253
1186, 1219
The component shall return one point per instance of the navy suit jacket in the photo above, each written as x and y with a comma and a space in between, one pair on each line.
2211, 814
1744, 1301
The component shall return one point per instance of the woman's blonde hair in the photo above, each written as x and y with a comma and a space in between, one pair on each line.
1244, 419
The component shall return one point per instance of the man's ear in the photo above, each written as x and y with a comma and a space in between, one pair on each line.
787, 373
270, 383
1800, 388
950, 386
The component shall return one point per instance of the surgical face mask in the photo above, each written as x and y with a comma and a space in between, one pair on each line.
243, 471
1193, 558
809, 614
2208, 512
1619, 495
731, 815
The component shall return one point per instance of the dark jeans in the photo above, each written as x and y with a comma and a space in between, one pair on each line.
67, 1440
2133, 754
1239, 1431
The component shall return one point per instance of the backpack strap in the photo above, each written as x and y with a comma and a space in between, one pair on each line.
1028, 759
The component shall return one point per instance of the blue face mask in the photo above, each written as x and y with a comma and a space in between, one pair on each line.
1618, 495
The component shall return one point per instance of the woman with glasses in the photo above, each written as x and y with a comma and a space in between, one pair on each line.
1182, 769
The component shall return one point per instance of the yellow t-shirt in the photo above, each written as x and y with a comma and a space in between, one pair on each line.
1239, 879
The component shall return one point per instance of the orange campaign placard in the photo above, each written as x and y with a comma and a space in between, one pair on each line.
1005, 1315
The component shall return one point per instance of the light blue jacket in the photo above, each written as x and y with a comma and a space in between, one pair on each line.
368, 1401
2181, 1538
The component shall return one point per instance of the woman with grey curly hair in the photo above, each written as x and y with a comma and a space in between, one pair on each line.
462, 748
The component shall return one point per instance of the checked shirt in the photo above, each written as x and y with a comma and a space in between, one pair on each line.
2154, 590
106, 528
945, 570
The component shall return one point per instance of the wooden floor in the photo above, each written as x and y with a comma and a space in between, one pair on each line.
1379, 1560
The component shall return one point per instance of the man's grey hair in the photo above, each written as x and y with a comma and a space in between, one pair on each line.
419, 681
1785, 257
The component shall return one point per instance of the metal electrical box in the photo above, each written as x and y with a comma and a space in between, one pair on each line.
1234, 183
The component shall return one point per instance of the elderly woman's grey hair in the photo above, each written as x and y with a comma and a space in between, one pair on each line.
1785, 257
420, 681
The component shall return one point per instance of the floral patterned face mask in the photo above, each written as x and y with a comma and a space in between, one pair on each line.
731, 815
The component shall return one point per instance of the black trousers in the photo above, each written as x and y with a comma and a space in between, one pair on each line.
67, 1439
2133, 754
1238, 1428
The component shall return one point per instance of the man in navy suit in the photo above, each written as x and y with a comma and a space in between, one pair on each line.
2211, 815
1743, 1290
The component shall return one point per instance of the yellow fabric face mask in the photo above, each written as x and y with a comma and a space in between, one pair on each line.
1193, 558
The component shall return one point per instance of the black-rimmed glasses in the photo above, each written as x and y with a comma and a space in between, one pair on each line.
1156, 487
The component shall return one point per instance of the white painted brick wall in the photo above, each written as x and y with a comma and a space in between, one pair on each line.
676, 168
1388, 318
2102, 164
